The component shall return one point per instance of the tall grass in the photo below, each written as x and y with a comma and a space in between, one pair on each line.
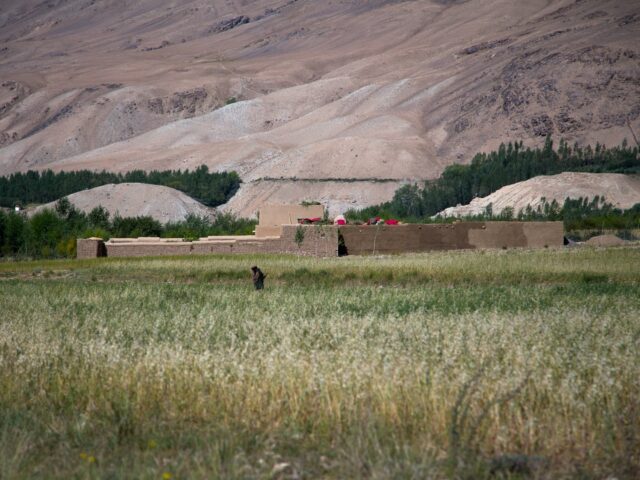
425, 366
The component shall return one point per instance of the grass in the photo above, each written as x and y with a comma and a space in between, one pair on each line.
447, 365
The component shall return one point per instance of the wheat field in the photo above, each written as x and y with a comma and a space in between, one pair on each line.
496, 364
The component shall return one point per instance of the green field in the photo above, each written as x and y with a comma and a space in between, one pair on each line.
443, 365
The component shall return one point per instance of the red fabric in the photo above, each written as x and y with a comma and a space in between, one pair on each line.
392, 221
341, 222
310, 220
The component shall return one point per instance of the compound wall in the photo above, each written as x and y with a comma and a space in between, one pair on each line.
90, 248
306, 240
375, 239
273, 217
323, 240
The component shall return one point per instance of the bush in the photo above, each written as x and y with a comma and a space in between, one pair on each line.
46, 229
15, 234
3, 222
66, 248
96, 232
136, 227
99, 217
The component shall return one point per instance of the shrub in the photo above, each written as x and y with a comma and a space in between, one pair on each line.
299, 237
66, 248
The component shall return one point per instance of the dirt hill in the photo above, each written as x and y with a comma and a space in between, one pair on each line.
301, 90
623, 191
606, 241
138, 199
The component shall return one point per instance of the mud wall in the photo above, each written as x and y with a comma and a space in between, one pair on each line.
272, 217
306, 240
309, 240
376, 239
90, 248
322, 240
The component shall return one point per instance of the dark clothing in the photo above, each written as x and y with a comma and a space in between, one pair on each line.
258, 278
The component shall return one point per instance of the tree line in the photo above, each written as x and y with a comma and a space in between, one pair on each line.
52, 233
488, 172
209, 188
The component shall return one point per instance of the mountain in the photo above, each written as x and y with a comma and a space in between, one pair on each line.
622, 191
297, 95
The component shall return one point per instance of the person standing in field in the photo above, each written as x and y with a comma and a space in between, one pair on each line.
258, 277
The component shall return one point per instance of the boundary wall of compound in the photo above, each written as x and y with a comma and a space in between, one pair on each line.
326, 240
307, 240
376, 239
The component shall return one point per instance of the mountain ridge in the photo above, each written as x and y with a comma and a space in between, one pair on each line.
339, 89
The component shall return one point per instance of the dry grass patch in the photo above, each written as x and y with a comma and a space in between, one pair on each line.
444, 376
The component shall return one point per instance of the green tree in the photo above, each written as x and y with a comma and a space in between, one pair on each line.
15, 233
99, 218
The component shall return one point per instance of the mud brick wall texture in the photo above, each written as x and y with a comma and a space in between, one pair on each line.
147, 249
90, 248
322, 240
380, 239
310, 240
307, 240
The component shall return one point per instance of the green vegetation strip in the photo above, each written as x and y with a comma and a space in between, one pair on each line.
496, 267
210, 188
448, 365
53, 233
512, 163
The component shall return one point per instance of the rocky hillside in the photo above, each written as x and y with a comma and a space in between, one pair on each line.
622, 191
138, 199
292, 91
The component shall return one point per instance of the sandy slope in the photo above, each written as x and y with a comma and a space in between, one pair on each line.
623, 191
337, 197
388, 89
137, 199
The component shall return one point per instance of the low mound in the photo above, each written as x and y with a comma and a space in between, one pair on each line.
623, 191
606, 241
138, 199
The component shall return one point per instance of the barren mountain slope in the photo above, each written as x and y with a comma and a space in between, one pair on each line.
357, 89
138, 199
335, 196
622, 191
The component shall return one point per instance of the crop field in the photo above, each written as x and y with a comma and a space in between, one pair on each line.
497, 364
